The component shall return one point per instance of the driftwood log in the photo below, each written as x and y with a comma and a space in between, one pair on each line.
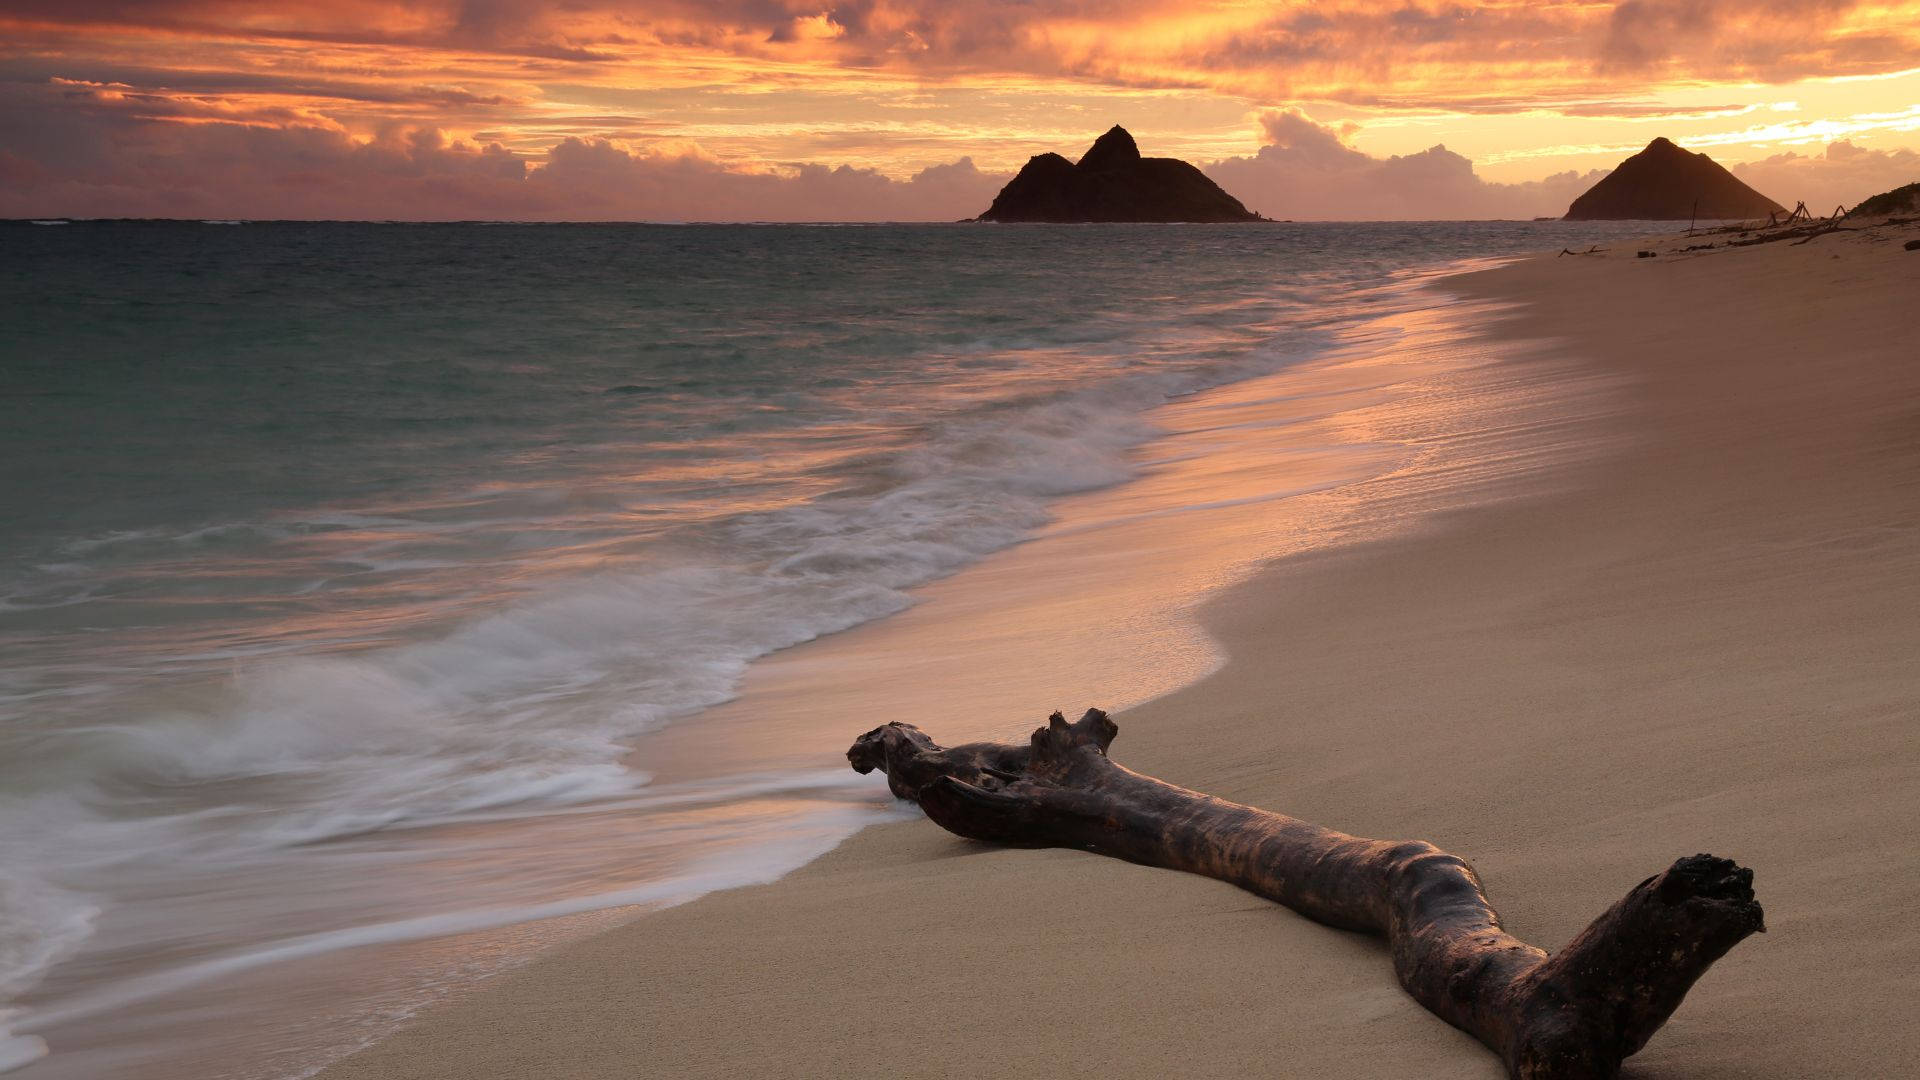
1573, 1016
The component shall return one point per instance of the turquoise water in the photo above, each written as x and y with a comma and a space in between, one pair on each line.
323, 532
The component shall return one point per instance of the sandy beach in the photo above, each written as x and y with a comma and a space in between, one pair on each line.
1584, 634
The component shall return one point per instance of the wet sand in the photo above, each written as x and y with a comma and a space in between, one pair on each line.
1650, 586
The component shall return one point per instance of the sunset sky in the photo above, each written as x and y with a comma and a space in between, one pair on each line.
918, 109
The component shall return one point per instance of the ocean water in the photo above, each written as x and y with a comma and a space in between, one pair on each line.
347, 569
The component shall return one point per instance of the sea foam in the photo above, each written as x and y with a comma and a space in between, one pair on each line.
355, 560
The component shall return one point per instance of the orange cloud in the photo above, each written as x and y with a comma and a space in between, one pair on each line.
1307, 171
892, 87
1841, 174
116, 154
1358, 50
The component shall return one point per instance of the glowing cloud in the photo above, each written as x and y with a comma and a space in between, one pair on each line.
195, 95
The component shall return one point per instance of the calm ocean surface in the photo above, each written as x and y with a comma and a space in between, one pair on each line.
340, 561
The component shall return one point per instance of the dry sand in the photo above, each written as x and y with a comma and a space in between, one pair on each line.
1701, 636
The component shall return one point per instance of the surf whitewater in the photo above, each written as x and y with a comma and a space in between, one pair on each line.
344, 564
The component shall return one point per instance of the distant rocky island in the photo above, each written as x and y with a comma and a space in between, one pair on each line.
1666, 183
1113, 183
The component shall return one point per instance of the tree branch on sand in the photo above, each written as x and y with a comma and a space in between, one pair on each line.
1572, 1016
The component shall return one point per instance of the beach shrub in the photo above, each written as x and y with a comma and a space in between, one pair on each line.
1889, 202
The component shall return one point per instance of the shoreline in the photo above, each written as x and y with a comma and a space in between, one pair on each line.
1096, 604
1699, 645
1268, 453
1343, 401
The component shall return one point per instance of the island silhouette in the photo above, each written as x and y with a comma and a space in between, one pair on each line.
1667, 183
1113, 183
